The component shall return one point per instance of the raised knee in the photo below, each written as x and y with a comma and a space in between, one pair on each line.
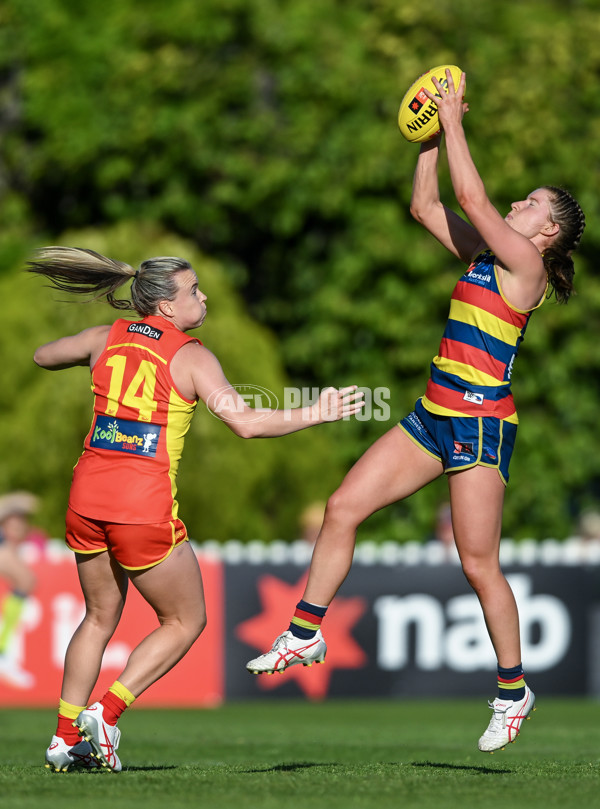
341, 509
478, 573
471, 570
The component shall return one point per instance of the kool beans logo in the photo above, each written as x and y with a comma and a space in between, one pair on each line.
112, 434
125, 436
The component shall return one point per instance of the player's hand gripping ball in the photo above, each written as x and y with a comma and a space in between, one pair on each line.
418, 116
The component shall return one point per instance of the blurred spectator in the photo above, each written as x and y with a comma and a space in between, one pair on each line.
311, 520
589, 525
443, 531
443, 525
16, 509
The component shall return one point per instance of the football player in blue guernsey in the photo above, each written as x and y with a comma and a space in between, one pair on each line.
465, 424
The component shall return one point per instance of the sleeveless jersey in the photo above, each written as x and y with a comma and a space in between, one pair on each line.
471, 374
128, 468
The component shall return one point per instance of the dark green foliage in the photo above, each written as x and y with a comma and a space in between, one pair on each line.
264, 131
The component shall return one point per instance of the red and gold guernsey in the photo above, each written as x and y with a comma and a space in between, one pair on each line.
128, 468
471, 375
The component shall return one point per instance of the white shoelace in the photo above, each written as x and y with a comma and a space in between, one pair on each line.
279, 642
499, 716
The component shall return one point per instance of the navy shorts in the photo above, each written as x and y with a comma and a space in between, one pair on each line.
462, 442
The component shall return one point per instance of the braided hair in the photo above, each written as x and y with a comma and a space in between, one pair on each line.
565, 212
85, 272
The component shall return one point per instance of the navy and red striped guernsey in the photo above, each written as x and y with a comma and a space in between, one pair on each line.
471, 374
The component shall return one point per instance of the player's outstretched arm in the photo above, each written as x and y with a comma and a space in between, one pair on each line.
515, 251
212, 386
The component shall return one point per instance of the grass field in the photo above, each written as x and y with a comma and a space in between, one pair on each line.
336, 754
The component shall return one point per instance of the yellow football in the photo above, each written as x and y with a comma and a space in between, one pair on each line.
418, 117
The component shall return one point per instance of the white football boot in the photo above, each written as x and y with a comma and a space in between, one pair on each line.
104, 738
506, 721
288, 650
60, 756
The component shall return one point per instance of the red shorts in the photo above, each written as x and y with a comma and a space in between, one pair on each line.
135, 547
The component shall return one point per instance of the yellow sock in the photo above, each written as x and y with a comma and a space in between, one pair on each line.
67, 713
68, 710
119, 690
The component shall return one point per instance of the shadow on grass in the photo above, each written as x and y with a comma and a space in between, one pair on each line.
104, 771
151, 768
292, 767
445, 766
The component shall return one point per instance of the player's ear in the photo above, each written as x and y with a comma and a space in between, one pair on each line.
165, 308
551, 229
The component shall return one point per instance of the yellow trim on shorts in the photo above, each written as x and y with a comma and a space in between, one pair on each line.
158, 561
418, 444
85, 553
478, 462
126, 567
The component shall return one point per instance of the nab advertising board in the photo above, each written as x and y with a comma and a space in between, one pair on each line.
405, 630
411, 631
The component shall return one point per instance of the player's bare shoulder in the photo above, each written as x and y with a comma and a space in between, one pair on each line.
192, 353
193, 369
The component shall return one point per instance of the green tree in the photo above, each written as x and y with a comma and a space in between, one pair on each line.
264, 131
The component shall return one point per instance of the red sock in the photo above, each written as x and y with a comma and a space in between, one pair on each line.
113, 707
66, 731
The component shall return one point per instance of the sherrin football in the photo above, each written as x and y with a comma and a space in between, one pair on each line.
418, 117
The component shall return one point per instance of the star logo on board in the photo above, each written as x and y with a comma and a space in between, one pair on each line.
343, 652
